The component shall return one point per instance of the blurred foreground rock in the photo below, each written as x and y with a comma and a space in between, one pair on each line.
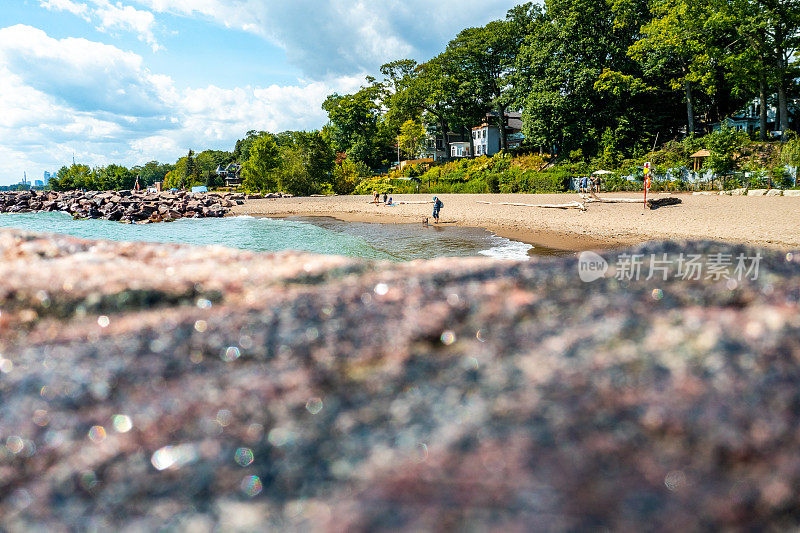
152, 387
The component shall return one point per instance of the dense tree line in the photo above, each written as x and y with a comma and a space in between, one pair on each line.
590, 77
596, 81
298, 162
111, 177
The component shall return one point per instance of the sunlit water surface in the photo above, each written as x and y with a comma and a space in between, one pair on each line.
396, 242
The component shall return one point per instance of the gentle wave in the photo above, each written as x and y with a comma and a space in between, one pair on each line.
508, 250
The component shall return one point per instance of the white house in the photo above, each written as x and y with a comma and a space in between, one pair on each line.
486, 137
459, 149
748, 119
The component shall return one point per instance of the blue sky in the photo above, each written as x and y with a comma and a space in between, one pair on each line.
129, 81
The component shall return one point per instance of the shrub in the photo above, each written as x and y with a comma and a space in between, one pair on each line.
368, 185
347, 175
534, 182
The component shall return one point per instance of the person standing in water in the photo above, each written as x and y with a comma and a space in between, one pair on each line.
437, 206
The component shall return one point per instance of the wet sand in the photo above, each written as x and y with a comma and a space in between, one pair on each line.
766, 221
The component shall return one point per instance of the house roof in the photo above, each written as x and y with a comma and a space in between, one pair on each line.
515, 123
701, 153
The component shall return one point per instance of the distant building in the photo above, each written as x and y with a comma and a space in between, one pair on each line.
232, 174
38, 183
434, 144
486, 137
749, 119
459, 149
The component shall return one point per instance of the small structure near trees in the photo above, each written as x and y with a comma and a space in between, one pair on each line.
699, 158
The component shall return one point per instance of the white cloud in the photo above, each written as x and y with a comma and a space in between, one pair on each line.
82, 74
327, 37
69, 6
65, 95
111, 17
127, 18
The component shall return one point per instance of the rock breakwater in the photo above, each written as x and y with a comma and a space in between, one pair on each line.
125, 206
147, 386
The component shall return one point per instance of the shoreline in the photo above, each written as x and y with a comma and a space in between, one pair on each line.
561, 243
771, 222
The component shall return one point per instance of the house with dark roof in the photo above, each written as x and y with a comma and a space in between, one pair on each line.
486, 137
748, 119
434, 146
232, 174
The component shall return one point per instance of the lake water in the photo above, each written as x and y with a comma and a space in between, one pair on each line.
395, 242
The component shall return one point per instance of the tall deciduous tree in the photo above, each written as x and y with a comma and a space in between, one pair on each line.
676, 42
569, 45
412, 133
307, 162
771, 30
356, 127
487, 57
152, 172
259, 171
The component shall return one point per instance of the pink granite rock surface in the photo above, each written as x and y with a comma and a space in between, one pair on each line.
152, 386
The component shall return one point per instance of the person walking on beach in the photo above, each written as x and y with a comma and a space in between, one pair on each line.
437, 206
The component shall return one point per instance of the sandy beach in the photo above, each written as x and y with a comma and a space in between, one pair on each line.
768, 221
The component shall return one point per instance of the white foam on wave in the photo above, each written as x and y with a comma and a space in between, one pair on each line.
244, 217
508, 250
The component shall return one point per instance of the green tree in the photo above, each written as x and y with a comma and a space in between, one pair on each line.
790, 155
487, 57
71, 178
412, 133
207, 162
152, 172
347, 174
307, 162
189, 171
725, 147
114, 177
241, 151
259, 171
568, 48
676, 41
770, 29
356, 127
430, 89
